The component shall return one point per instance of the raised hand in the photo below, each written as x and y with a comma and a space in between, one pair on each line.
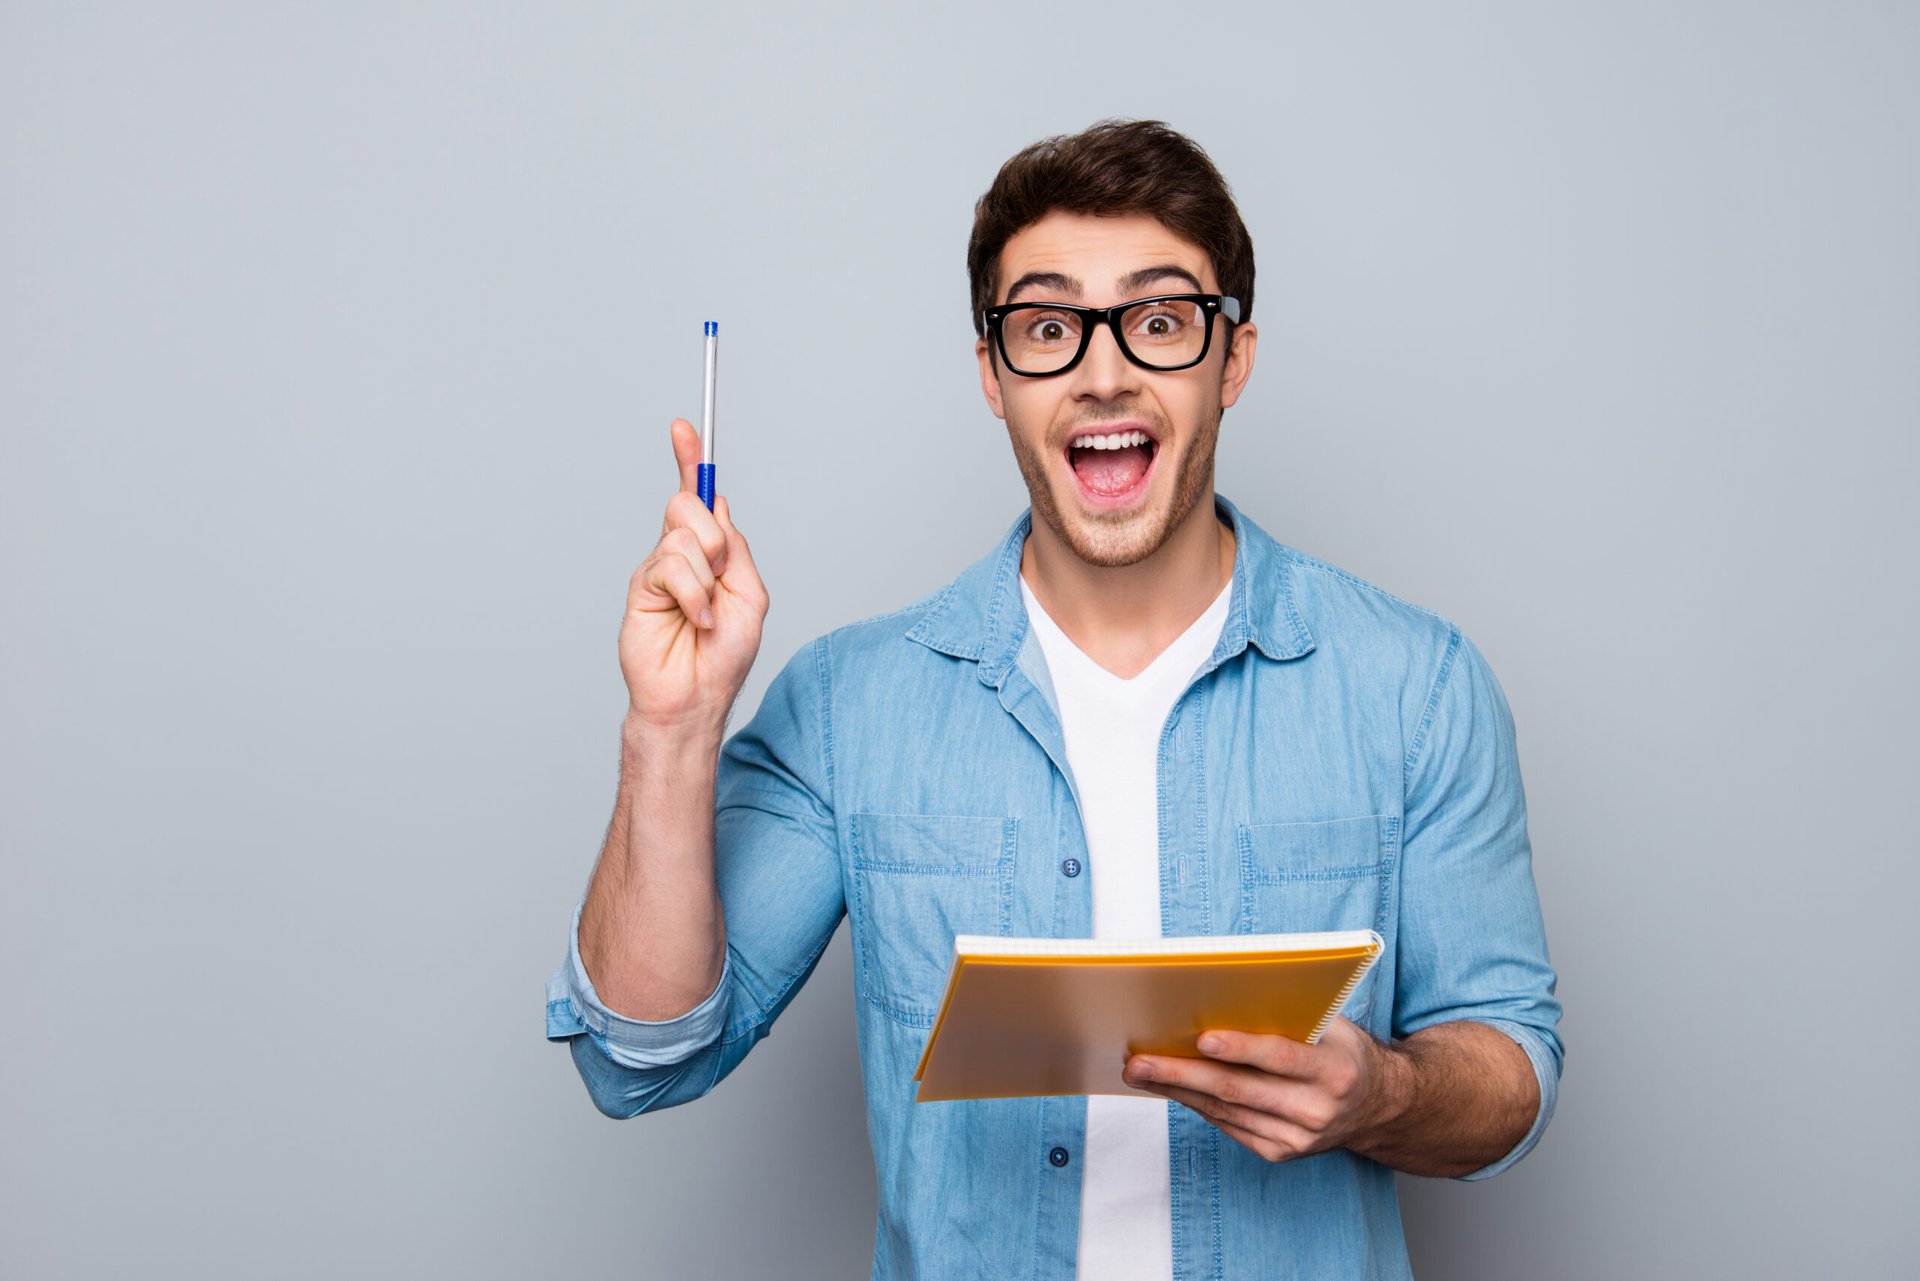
694, 610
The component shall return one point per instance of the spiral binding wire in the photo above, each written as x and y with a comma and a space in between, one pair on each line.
1340, 1002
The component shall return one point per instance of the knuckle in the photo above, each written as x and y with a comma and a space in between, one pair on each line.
1231, 1090
680, 574
698, 566
659, 573
695, 536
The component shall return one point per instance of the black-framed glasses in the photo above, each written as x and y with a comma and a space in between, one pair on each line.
1162, 333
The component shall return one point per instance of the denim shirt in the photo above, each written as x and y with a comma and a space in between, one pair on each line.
1342, 760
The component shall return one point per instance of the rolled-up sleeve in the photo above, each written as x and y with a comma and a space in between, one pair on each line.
1471, 942
776, 861
574, 1008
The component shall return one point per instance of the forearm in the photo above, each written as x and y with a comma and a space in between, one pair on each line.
652, 933
1452, 1098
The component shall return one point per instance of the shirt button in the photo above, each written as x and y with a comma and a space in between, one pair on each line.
1071, 867
1058, 1156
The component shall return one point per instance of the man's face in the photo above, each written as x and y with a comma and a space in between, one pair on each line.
1113, 506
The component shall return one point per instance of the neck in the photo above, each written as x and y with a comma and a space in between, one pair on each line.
1123, 616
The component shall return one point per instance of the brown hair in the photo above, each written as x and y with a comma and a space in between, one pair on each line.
1114, 167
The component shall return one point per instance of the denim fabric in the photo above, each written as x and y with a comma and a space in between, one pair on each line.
1342, 760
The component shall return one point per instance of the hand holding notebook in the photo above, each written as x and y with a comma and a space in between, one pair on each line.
1061, 1016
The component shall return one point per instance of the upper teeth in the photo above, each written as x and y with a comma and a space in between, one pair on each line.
1118, 440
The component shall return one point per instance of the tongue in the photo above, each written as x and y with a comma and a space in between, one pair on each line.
1110, 471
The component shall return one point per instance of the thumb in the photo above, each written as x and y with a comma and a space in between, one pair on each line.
686, 453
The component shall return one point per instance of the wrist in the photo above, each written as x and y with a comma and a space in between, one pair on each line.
1392, 1086
688, 738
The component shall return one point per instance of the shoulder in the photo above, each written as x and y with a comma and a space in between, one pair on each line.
870, 657
875, 654
1350, 611
1391, 653
1305, 602
880, 637
1374, 635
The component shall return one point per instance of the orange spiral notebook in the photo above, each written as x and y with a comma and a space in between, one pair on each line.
1030, 1016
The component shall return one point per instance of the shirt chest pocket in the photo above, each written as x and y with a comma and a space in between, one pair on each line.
920, 879
1300, 878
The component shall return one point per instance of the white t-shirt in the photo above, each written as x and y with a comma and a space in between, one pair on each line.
1112, 730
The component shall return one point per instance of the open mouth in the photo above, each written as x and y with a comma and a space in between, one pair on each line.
1111, 467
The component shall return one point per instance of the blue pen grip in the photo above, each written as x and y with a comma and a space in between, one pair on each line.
705, 483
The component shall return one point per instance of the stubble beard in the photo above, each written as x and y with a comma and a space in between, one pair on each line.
1111, 540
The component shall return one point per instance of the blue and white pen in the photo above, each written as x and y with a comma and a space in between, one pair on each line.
705, 480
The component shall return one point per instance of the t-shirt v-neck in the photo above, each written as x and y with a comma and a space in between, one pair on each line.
1170, 667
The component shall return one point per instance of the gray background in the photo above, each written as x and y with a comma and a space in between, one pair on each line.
337, 346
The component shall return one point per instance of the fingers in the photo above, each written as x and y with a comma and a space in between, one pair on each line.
686, 452
707, 541
695, 549
1262, 1126
671, 575
1282, 1056
683, 544
1224, 1082
1276, 1120
686, 512
1336, 1067
746, 576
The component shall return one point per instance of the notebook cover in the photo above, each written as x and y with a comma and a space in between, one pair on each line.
1036, 1023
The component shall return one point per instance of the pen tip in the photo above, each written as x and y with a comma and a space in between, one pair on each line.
713, 329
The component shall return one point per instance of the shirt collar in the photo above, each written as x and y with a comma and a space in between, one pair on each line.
981, 616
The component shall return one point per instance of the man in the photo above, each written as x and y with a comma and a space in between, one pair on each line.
1138, 715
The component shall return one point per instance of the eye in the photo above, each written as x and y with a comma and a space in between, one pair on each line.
1159, 322
1048, 328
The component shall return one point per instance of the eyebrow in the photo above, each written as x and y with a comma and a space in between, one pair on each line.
1071, 288
1147, 275
1045, 280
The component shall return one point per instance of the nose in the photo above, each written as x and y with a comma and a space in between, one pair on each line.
1104, 373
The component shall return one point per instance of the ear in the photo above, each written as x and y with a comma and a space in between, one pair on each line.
989, 377
1239, 365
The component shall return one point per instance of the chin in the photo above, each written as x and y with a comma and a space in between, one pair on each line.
1112, 543
1109, 540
